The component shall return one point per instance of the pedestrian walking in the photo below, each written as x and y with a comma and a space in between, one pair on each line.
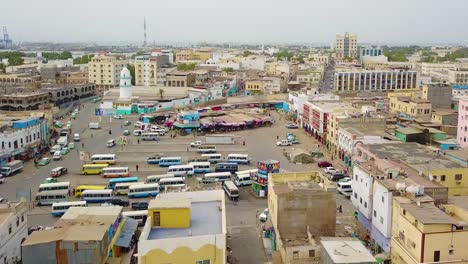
82, 145
187, 150
136, 167
138, 141
277, 137
340, 209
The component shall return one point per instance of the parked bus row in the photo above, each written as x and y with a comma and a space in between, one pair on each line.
209, 157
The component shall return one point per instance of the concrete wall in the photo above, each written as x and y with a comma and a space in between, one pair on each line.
10, 242
299, 209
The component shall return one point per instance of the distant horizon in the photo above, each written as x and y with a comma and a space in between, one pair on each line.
416, 22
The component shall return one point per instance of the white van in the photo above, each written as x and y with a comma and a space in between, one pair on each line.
55, 149
243, 179
231, 190
138, 132
110, 143
76, 137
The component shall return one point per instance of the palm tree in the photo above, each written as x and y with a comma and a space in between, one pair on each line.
161, 93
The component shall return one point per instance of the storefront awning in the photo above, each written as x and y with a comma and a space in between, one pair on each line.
127, 232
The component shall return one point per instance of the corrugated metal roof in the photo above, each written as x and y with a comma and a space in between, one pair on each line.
127, 232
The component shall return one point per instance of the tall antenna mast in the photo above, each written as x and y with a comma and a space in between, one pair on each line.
144, 30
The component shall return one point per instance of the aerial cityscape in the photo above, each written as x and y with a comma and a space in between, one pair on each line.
244, 133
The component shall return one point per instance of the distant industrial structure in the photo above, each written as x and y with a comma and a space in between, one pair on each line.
6, 42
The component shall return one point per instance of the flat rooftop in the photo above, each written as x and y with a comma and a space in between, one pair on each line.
205, 219
412, 154
428, 213
345, 250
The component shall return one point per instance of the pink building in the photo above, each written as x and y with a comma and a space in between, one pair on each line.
462, 131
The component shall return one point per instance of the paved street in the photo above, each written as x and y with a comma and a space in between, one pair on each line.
326, 84
243, 226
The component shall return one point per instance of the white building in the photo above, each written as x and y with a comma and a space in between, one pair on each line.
13, 231
427, 68
253, 63
346, 46
125, 84
382, 213
365, 80
362, 184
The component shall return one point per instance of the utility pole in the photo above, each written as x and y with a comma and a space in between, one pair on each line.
144, 32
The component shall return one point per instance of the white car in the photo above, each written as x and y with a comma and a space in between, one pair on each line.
138, 124
283, 142
57, 155
330, 170
118, 117
196, 144
2, 179
263, 217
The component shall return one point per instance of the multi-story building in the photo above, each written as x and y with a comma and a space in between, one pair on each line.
253, 86
22, 137
315, 116
183, 55
23, 101
146, 68
309, 77
203, 54
346, 46
77, 77
59, 95
13, 231
301, 211
444, 118
425, 233
185, 227
380, 173
455, 179
428, 68
349, 80
370, 51
440, 95
410, 107
340, 250
458, 76
180, 79
462, 130
82, 235
104, 71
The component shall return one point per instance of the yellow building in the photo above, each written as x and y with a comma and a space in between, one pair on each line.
455, 179
104, 71
423, 233
202, 54
184, 55
185, 227
254, 86
412, 107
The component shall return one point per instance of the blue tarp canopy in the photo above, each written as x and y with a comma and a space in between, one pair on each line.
127, 232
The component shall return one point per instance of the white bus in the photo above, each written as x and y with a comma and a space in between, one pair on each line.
172, 182
231, 190
238, 158
139, 215
103, 159
213, 157
181, 170
115, 172
97, 196
122, 188
143, 190
243, 178
54, 186
157, 178
150, 136
169, 161
60, 208
216, 177
201, 167
50, 197
206, 149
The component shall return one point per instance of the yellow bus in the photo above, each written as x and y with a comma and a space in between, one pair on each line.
79, 190
93, 168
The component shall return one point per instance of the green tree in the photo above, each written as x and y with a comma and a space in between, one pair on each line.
247, 53
131, 68
57, 56
186, 66
228, 70
15, 60
284, 55
84, 59
2, 67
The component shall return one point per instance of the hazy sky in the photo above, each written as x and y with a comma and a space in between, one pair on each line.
307, 21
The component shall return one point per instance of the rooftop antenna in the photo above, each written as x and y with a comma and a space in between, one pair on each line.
144, 32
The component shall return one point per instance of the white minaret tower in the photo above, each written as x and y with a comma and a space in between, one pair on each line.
125, 84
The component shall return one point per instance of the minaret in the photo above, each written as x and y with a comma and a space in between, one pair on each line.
144, 32
125, 84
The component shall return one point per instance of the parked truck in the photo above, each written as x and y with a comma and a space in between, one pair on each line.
12, 167
94, 125
62, 141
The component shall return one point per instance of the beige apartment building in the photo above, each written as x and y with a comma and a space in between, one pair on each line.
104, 71
346, 46
147, 67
